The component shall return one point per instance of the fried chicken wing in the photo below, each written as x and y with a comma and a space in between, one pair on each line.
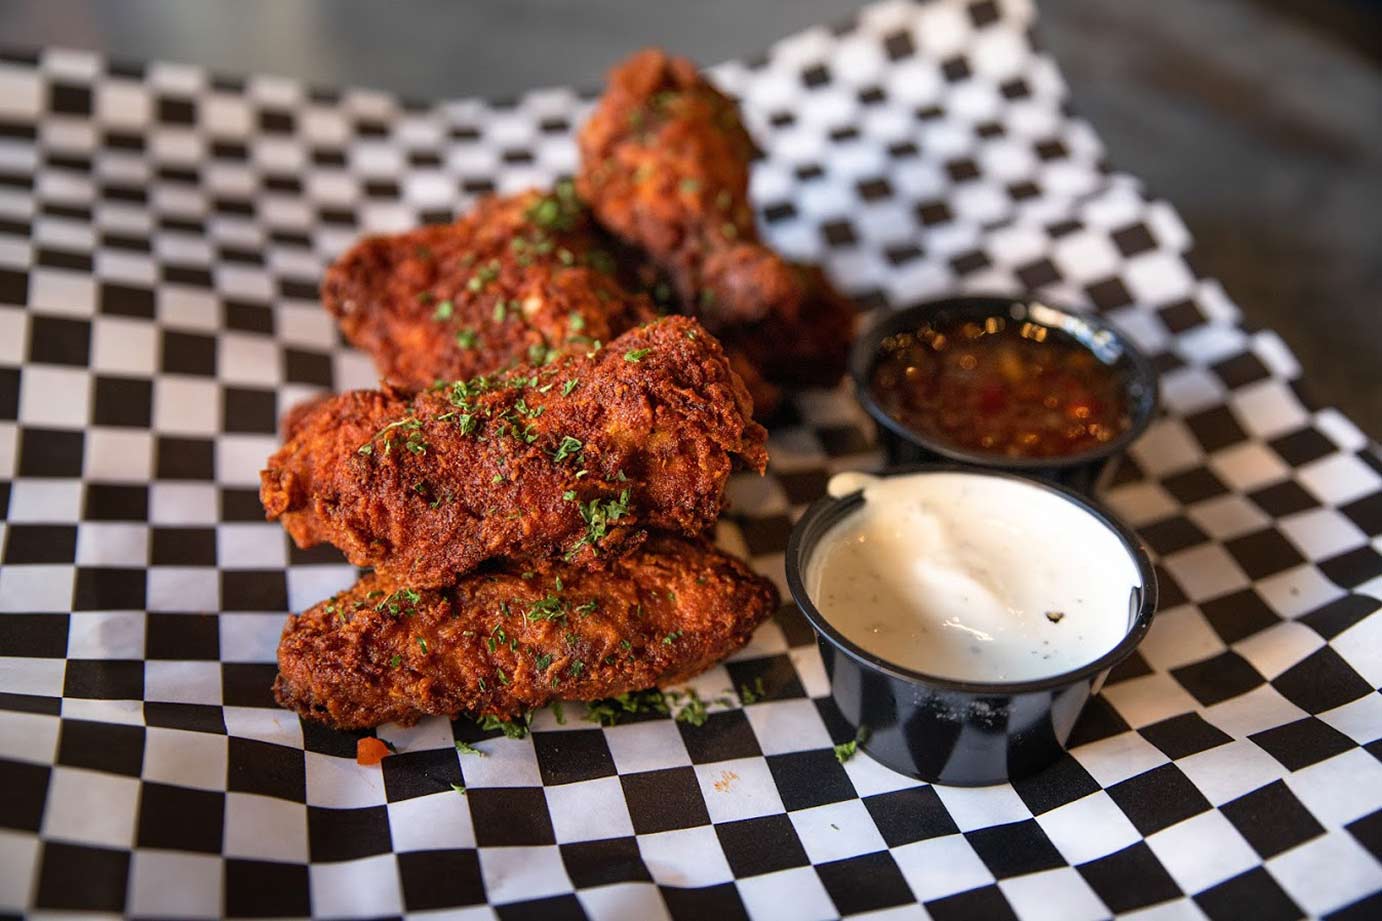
505, 641
665, 166
808, 352
572, 459
517, 279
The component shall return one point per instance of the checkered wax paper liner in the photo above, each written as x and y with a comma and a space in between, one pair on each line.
161, 235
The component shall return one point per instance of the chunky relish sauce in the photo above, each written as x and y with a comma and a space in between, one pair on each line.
999, 386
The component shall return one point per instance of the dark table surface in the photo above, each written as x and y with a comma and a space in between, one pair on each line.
1256, 118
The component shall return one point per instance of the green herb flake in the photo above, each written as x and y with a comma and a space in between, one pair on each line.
443, 312
458, 788
567, 448
467, 338
636, 354
511, 730
552, 607
396, 661
466, 748
569, 386
846, 750
752, 694
422, 644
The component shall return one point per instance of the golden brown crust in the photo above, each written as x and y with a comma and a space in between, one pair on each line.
665, 166
499, 643
810, 351
524, 466
516, 278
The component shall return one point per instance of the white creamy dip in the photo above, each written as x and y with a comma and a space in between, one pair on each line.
972, 577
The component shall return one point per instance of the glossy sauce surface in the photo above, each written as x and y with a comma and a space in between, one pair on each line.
972, 577
1000, 386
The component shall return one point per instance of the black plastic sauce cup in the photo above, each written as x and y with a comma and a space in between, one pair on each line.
960, 733
1079, 471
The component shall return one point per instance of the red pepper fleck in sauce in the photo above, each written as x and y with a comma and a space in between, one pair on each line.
1002, 387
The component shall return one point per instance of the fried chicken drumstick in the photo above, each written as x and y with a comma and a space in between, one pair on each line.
518, 279
665, 166
499, 643
572, 459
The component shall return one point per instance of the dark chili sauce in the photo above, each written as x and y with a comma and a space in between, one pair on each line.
1002, 387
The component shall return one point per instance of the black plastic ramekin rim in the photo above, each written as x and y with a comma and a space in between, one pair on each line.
863, 357
798, 557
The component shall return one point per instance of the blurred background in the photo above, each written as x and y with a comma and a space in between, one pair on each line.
1261, 120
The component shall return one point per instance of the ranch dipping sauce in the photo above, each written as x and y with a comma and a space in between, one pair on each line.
971, 577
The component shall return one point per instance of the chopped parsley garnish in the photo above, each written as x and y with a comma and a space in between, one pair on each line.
577, 667
568, 447
598, 516
558, 713
483, 276
558, 211
402, 600
752, 694
503, 678
569, 386
458, 788
444, 310
510, 730
543, 661
671, 638
422, 644
467, 338
497, 478
589, 607
410, 425
636, 354
576, 322
608, 712
845, 750
396, 661
689, 707
466, 748
569, 495
551, 607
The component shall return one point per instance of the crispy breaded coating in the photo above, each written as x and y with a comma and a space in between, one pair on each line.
505, 641
665, 166
809, 352
517, 279
571, 459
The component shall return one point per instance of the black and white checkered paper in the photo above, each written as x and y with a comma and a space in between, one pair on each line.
162, 232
